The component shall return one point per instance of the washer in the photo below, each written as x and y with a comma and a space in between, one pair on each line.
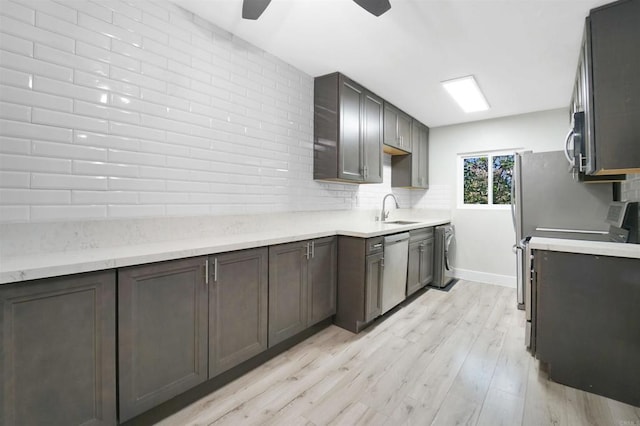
443, 272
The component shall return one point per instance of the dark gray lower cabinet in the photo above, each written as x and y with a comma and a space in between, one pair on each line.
323, 277
288, 269
57, 362
360, 267
373, 286
302, 281
420, 265
238, 294
162, 326
588, 322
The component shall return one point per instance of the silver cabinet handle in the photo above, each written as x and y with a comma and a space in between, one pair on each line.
206, 271
215, 270
377, 245
382, 262
313, 249
566, 148
306, 255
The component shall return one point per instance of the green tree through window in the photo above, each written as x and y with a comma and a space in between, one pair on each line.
482, 186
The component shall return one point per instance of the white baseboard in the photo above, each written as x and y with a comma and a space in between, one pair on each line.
485, 277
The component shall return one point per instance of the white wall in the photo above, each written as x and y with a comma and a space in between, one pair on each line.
484, 237
138, 108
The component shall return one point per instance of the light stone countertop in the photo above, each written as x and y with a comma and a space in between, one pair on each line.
599, 248
56, 258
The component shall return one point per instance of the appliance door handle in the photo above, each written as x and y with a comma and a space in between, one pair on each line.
569, 138
447, 243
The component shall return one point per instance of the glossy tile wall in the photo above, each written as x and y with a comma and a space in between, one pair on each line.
631, 188
132, 108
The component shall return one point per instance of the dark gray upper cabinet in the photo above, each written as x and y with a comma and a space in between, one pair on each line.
302, 281
397, 131
348, 131
412, 171
238, 297
360, 268
608, 89
420, 264
58, 339
162, 332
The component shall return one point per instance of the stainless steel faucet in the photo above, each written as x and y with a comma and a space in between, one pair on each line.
385, 214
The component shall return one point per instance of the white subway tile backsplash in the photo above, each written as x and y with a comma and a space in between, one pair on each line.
61, 150
91, 9
15, 179
59, 181
33, 196
66, 213
35, 99
105, 112
9, 214
15, 78
60, 11
103, 197
138, 108
34, 66
129, 184
135, 79
108, 56
106, 141
15, 112
28, 131
58, 26
18, 11
56, 56
32, 33
99, 168
131, 25
61, 88
16, 44
68, 121
34, 164
109, 30
123, 7
132, 131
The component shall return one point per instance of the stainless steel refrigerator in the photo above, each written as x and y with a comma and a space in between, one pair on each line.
545, 195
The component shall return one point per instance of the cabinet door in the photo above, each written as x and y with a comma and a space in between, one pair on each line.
58, 351
288, 272
426, 261
413, 267
162, 332
372, 137
404, 131
350, 148
616, 87
391, 137
322, 279
238, 293
373, 293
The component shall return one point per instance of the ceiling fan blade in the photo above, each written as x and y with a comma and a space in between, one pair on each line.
252, 9
375, 7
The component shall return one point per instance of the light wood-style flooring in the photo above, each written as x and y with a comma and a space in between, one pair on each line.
446, 358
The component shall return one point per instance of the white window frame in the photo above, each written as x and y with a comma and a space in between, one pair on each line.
460, 178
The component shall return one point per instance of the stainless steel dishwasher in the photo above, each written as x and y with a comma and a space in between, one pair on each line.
394, 277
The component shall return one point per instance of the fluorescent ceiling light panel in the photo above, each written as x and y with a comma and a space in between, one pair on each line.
466, 93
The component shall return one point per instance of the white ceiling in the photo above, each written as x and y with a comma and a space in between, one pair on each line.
523, 53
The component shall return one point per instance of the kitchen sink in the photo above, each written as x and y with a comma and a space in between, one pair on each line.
401, 222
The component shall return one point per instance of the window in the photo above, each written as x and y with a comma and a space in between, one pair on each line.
486, 179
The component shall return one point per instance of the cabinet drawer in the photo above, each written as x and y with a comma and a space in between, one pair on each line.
420, 234
374, 245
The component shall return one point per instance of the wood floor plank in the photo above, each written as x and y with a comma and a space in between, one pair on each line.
448, 357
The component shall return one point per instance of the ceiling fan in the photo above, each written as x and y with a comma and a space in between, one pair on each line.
252, 9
